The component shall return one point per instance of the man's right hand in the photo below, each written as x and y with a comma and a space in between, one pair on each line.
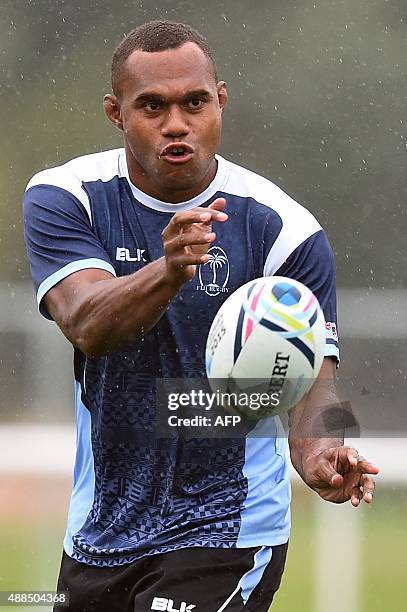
187, 238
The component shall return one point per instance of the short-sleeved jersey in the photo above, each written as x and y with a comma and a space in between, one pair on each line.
135, 494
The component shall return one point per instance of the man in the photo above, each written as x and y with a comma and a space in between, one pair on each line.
118, 243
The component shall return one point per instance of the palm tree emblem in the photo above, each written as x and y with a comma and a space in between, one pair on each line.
216, 260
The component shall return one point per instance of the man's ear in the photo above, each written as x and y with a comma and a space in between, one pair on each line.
222, 94
112, 110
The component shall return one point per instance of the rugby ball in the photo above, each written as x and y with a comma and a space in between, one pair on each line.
268, 337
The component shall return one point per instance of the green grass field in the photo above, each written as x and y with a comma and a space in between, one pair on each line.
383, 586
31, 551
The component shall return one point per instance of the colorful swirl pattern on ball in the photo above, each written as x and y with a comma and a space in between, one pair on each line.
270, 310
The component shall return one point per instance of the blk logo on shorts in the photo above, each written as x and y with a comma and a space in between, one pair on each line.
167, 605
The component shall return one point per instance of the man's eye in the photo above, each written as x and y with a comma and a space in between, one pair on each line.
152, 107
195, 103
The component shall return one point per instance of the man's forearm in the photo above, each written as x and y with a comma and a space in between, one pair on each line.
110, 313
100, 314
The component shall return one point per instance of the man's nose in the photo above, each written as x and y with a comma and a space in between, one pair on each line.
175, 123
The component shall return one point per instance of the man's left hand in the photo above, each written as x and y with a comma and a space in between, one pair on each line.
340, 474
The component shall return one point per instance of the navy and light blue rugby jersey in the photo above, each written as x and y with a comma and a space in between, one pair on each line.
135, 494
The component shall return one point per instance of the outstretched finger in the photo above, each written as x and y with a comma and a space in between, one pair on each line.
188, 259
366, 467
188, 239
368, 486
355, 496
195, 216
356, 460
218, 204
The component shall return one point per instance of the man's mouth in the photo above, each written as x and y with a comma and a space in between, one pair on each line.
177, 153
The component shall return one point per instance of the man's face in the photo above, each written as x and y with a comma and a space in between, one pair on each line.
170, 111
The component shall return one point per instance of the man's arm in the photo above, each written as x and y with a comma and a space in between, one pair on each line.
336, 472
99, 314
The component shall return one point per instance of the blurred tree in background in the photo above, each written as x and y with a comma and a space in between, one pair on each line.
317, 103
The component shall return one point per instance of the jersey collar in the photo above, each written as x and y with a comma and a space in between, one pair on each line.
216, 185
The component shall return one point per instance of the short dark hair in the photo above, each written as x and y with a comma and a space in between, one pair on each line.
157, 36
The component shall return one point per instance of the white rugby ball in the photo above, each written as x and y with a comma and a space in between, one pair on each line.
267, 337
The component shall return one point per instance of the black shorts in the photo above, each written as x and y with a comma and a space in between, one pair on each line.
185, 580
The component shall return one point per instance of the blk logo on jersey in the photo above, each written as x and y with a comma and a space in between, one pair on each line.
123, 254
213, 276
167, 605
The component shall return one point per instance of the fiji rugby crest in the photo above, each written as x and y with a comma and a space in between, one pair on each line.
213, 275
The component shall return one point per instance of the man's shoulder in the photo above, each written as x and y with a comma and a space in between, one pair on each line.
262, 192
72, 174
